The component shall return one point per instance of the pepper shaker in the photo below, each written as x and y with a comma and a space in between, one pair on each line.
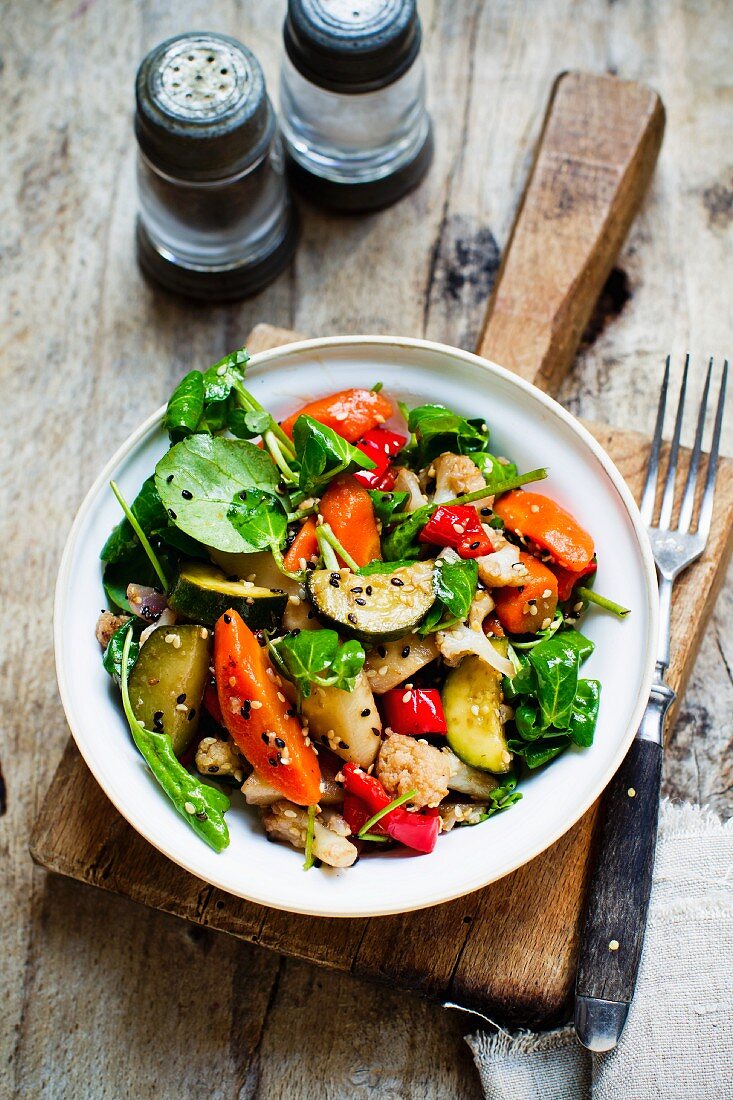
352, 101
215, 217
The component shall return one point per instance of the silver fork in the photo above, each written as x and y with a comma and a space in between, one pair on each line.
618, 896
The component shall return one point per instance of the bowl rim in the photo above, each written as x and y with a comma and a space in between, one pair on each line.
314, 345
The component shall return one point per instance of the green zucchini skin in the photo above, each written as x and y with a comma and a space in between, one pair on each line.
168, 679
202, 594
477, 739
379, 607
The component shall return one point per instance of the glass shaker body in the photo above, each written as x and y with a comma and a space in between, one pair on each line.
352, 101
215, 218
354, 138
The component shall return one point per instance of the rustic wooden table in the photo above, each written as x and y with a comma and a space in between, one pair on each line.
106, 999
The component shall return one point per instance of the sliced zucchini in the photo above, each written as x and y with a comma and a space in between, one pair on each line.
347, 722
168, 679
472, 699
260, 568
202, 593
375, 608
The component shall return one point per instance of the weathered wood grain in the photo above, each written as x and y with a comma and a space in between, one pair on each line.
86, 343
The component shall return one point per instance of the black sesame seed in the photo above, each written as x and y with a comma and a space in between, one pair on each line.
360, 601
295, 633
291, 713
406, 651
368, 590
212, 768
243, 494
158, 716
181, 698
311, 615
376, 732
474, 545
334, 580
351, 618
397, 582
485, 511
186, 494
366, 712
310, 565
202, 816
172, 514
191, 714
169, 479
279, 742
381, 650
343, 745
227, 619
247, 705
272, 762
261, 639
265, 737
357, 591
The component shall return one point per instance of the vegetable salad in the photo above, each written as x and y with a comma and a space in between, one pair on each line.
359, 620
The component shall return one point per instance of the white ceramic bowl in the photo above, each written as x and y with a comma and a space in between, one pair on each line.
534, 431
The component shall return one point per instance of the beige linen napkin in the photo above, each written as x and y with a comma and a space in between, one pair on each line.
678, 1041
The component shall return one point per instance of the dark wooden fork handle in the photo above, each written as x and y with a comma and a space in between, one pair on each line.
618, 897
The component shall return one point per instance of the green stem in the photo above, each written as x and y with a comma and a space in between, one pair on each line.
309, 838
394, 805
273, 447
329, 536
280, 563
302, 513
251, 404
330, 560
590, 596
478, 494
152, 556
375, 837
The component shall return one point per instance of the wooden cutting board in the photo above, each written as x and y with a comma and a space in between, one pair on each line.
509, 949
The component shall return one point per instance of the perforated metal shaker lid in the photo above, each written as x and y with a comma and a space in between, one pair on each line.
352, 46
202, 107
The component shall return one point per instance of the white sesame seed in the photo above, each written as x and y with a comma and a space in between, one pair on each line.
546, 594
578, 606
295, 600
182, 707
546, 623
406, 697
203, 633
289, 813
535, 508
270, 672
475, 710
174, 640
383, 670
255, 704
281, 697
232, 681
189, 807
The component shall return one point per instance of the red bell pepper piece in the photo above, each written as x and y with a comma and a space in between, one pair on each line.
414, 711
381, 446
416, 831
381, 439
567, 580
460, 528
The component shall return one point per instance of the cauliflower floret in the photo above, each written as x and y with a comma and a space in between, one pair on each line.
286, 821
457, 474
503, 568
216, 757
405, 763
107, 624
407, 482
461, 641
467, 780
481, 606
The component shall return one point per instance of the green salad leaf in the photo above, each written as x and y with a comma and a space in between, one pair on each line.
323, 454
584, 713
185, 407
454, 584
200, 481
436, 429
317, 658
259, 518
112, 659
555, 663
387, 505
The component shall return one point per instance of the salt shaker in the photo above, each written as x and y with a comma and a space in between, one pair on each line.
215, 216
352, 101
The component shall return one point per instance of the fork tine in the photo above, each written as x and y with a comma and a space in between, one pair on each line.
665, 515
688, 499
650, 487
706, 508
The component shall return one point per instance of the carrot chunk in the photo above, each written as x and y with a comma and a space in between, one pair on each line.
523, 610
347, 507
350, 413
548, 526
